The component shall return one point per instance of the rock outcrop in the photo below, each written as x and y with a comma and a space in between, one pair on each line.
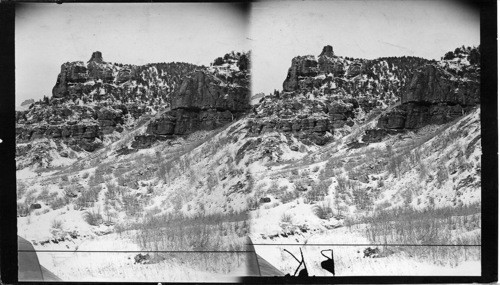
434, 96
204, 101
302, 66
329, 94
96, 57
437, 94
95, 99
98, 98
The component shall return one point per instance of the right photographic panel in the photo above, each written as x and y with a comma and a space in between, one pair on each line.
366, 150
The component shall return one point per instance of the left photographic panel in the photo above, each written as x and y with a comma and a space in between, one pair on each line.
127, 129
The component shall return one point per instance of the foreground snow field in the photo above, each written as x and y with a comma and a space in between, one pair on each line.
350, 260
110, 258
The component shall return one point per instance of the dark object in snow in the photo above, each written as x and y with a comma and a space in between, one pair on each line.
125, 151
371, 252
265, 200
35, 206
142, 258
356, 144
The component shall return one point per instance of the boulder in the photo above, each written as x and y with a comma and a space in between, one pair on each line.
265, 200
35, 206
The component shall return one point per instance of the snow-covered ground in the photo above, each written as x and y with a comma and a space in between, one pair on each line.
115, 264
350, 260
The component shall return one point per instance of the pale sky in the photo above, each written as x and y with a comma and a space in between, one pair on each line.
281, 30
48, 35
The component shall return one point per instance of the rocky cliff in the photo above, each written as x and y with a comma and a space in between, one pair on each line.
437, 93
325, 96
328, 95
206, 99
98, 99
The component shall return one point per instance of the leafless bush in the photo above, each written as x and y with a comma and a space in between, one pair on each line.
92, 217
88, 198
56, 224
429, 226
131, 205
318, 191
362, 199
322, 211
441, 175
286, 218
23, 209
289, 195
217, 232
21, 189
59, 202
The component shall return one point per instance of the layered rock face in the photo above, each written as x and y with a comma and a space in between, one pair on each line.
206, 100
434, 96
302, 66
330, 94
100, 96
92, 100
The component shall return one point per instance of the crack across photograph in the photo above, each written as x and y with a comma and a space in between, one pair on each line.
211, 170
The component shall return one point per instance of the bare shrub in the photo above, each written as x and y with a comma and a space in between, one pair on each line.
216, 232
274, 189
318, 191
286, 218
56, 224
289, 195
344, 184
441, 176
428, 226
21, 189
131, 205
59, 202
92, 217
23, 209
361, 198
44, 194
323, 211
88, 198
